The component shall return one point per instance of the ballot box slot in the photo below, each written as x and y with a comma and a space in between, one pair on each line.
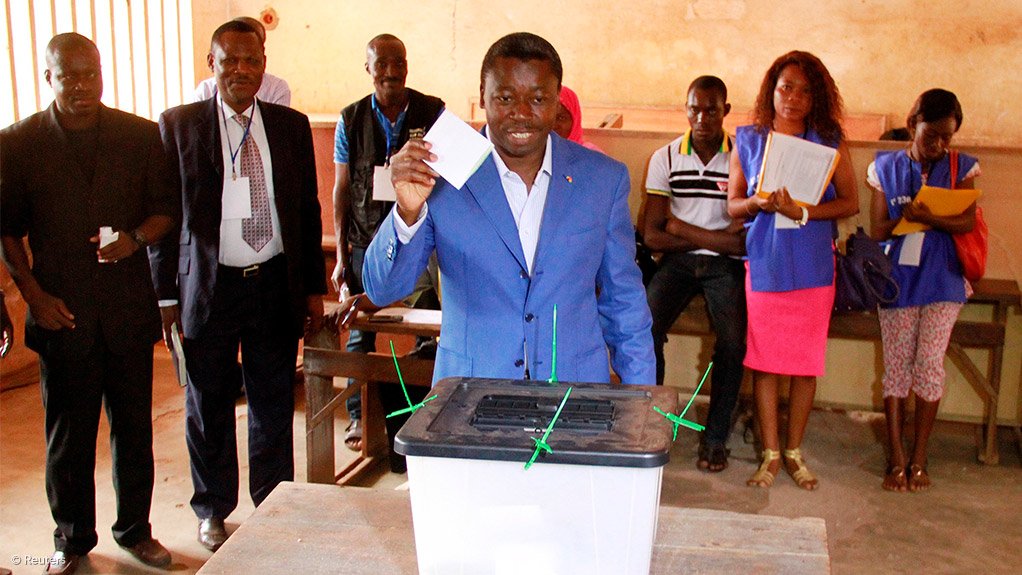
535, 412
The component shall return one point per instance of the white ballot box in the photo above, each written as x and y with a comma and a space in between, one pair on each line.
589, 507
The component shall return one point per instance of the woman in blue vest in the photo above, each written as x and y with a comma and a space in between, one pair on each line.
790, 281
916, 328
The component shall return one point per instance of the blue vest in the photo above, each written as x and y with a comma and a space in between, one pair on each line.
938, 277
785, 259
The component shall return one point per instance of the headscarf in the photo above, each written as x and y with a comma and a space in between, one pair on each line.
569, 99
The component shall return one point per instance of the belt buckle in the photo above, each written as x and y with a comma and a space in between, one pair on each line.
250, 271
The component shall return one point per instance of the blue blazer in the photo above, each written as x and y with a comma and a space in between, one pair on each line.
493, 309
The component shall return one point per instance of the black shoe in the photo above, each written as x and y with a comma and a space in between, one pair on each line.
62, 563
212, 533
150, 552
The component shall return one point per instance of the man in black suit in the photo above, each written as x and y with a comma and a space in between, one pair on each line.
66, 172
246, 268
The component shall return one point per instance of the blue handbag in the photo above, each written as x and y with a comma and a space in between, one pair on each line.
864, 278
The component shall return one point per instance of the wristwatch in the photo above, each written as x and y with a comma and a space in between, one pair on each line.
805, 216
142, 241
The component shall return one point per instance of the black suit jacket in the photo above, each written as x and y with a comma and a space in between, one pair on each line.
46, 196
185, 264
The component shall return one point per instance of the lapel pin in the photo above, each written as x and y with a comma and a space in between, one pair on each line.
569, 179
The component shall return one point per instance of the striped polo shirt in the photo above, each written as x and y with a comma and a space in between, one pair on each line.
698, 191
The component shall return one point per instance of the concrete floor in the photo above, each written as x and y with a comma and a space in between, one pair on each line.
969, 522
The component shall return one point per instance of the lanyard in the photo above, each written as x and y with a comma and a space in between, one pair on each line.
386, 131
387, 126
234, 153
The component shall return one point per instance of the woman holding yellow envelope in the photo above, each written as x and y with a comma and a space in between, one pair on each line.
921, 197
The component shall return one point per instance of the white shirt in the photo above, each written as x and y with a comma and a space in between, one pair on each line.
526, 204
273, 90
697, 191
234, 251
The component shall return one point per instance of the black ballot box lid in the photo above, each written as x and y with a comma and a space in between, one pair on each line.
496, 419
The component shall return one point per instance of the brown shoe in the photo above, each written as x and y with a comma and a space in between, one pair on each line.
212, 533
62, 563
150, 552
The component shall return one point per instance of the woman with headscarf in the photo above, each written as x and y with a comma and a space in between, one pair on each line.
569, 119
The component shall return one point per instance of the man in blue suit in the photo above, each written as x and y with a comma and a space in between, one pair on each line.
542, 222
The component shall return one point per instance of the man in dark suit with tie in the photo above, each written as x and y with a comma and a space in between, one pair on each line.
66, 172
246, 268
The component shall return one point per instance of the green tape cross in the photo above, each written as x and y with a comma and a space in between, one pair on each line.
679, 419
541, 444
411, 408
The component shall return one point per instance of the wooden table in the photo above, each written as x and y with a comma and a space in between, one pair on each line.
305, 528
321, 364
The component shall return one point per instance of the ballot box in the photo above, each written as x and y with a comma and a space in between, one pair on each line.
589, 506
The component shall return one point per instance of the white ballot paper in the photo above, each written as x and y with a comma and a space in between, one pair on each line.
459, 149
107, 236
801, 166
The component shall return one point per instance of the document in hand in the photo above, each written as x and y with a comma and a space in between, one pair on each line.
801, 166
177, 356
459, 149
941, 202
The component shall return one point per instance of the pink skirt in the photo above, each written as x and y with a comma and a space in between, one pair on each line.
787, 331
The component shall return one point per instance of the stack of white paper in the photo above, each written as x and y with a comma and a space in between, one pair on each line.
801, 166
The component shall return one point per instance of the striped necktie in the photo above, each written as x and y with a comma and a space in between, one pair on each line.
258, 229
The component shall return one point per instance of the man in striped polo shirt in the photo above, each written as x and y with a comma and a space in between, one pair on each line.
686, 219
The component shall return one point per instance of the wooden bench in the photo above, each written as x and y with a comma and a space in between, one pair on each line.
1001, 295
322, 398
303, 528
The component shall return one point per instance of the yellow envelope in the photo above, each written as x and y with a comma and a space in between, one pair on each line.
942, 202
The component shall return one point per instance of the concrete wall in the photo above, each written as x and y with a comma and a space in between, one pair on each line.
644, 52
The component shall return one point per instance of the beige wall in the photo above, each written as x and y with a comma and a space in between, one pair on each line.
644, 52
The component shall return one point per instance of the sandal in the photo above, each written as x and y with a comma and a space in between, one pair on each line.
763, 476
895, 479
713, 459
353, 439
802, 476
918, 478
